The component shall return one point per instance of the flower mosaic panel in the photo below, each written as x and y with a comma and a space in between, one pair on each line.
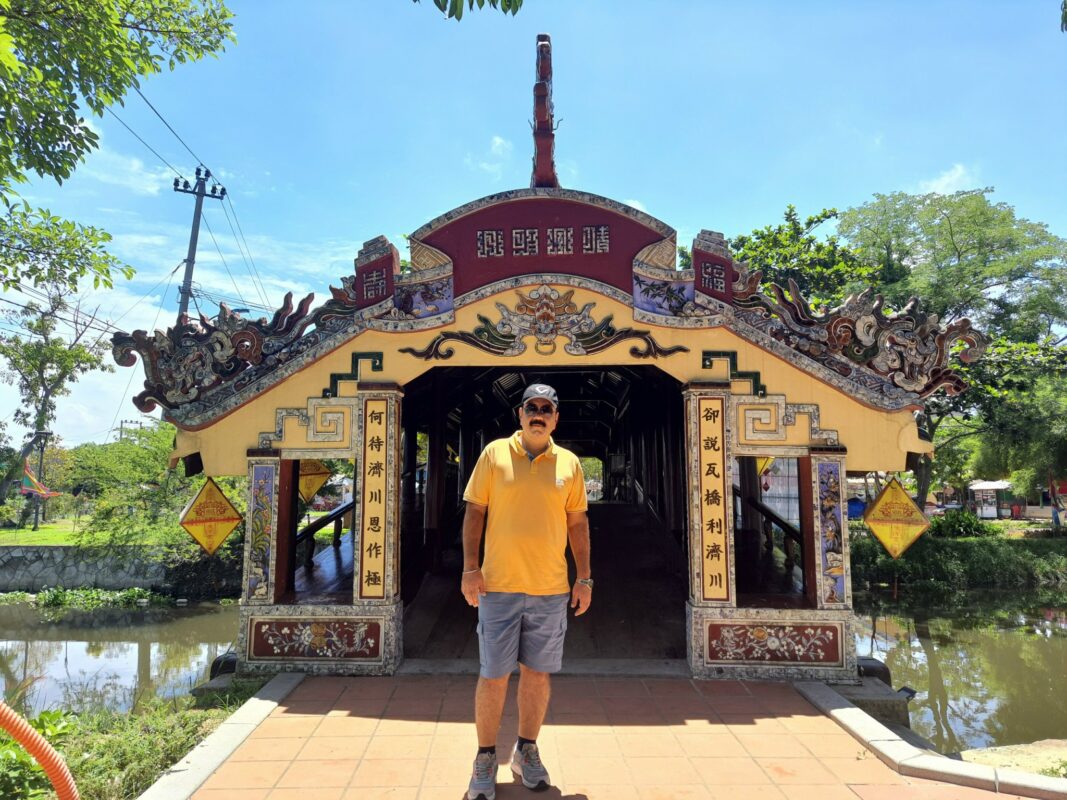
832, 531
421, 300
314, 638
759, 643
671, 298
261, 525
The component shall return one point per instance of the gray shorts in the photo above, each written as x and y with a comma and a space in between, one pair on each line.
515, 628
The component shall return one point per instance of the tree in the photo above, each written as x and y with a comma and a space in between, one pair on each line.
55, 57
54, 345
966, 256
963, 256
1012, 420
138, 497
453, 9
824, 269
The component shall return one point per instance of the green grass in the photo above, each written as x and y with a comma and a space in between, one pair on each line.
116, 755
58, 532
53, 534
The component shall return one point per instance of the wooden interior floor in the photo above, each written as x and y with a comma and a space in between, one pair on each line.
638, 606
331, 579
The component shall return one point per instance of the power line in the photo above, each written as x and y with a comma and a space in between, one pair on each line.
169, 128
224, 264
147, 294
92, 324
142, 141
249, 249
218, 299
133, 372
241, 250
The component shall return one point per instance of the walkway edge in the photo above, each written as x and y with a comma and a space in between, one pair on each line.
909, 760
185, 777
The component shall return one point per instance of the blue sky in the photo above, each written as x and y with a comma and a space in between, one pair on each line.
349, 120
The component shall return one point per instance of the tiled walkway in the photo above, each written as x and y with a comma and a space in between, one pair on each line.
412, 737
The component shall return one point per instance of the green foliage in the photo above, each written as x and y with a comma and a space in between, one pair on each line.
453, 9
20, 774
54, 344
963, 255
1058, 770
825, 270
14, 598
958, 523
1024, 481
139, 498
966, 256
58, 597
951, 564
60, 55
42, 249
54, 59
115, 755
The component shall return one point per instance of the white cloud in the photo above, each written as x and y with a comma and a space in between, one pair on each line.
129, 172
636, 204
150, 301
494, 160
954, 179
500, 147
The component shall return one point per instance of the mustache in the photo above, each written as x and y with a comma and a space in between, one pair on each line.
537, 422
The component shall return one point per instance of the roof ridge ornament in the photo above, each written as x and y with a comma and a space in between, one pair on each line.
544, 128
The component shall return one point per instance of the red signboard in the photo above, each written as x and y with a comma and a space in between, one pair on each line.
542, 235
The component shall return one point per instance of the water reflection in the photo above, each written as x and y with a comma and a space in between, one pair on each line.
988, 668
110, 657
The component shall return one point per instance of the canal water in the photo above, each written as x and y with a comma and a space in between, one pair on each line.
988, 669
108, 657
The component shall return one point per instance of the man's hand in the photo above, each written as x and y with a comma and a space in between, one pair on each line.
581, 598
472, 585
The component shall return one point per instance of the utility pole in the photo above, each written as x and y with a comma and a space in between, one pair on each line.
199, 191
130, 422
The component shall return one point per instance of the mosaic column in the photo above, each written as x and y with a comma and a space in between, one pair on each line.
376, 533
261, 534
711, 552
833, 573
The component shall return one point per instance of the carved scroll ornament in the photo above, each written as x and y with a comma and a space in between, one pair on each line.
910, 349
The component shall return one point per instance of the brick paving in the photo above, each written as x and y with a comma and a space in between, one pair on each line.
412, 738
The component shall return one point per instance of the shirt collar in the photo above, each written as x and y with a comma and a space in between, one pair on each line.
516, 445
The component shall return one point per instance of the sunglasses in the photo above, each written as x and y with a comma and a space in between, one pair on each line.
533, 408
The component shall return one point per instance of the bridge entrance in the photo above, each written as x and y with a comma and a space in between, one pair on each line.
625, 423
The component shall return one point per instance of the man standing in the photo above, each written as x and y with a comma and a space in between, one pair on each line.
530, 494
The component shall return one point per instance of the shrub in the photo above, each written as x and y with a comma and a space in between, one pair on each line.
958, 523
951, 564
20, 774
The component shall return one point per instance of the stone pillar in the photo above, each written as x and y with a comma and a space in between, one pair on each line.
712, 568
376, 536
360, 637
830, 505
261, 531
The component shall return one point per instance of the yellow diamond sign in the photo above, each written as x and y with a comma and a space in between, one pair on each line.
210, 517
313, 474
894, 519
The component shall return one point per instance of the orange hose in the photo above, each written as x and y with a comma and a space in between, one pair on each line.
38, 747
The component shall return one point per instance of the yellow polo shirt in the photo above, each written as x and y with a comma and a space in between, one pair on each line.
526, 526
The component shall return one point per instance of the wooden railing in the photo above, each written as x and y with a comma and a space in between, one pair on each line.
336, 516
